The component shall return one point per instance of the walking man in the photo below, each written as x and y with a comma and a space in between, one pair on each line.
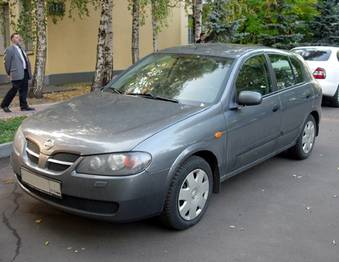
18, 67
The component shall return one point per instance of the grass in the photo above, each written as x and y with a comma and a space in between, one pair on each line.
8, 128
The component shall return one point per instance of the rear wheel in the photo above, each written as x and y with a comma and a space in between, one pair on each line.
305, 143
188, 194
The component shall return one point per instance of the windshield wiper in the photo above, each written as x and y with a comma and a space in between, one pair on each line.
114, 90
151, 96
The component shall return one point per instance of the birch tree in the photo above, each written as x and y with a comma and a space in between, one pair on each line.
104, 63
40, 49
135, 29
197, 14
159, 11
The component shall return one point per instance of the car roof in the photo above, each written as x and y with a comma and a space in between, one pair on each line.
318, 47
217, 49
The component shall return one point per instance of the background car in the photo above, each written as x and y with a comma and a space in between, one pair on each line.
324, 64
161, 137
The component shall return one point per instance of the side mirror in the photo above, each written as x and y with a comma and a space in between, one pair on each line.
249, 98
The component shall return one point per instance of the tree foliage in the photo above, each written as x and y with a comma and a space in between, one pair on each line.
325, 26
277, 23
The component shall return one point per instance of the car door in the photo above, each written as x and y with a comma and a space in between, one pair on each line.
252, 131
295, 95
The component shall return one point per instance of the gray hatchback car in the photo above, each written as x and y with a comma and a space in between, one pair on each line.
161, 137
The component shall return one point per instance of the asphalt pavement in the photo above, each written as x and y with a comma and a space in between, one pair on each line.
280, 211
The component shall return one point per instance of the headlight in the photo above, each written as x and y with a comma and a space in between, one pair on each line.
118, 164
19, 141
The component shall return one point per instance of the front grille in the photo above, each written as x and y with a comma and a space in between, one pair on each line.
61, 161
58, 162
93, 206
33, 151
32, 146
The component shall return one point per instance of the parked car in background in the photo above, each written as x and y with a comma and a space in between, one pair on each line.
324, 64
162, 136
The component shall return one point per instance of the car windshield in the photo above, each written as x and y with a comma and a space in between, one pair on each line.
313, 54
188, 79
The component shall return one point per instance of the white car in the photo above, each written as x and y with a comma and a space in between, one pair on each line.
324, 64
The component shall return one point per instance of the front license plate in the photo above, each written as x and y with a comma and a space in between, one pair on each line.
40, 183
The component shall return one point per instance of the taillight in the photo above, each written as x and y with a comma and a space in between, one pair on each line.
319, 73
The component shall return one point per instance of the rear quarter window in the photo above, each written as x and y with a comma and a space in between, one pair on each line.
298, 70
313, 54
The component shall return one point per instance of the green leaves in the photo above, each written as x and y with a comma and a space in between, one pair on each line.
278, 23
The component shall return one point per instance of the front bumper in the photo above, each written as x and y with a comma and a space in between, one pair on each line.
119, 199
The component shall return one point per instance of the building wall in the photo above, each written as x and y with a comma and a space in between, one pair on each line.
72, 42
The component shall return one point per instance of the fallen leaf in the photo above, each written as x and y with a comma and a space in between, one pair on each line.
232, 226
298, 177
38, 221
46, 243
8, 181
308, 208
83, 248
334, 242
69, 248
76, 251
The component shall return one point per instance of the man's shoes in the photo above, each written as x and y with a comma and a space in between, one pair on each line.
27, 108
6, 109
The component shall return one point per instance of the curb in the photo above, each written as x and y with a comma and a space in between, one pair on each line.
5, 150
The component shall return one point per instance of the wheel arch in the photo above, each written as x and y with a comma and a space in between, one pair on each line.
316, 116
209, 156
212, 160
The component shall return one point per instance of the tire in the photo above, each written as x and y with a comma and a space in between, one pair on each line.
184, 192
335, 99
305, 143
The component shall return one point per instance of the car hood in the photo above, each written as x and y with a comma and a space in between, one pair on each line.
102, 122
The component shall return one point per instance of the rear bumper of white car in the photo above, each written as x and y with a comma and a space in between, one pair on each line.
328, 88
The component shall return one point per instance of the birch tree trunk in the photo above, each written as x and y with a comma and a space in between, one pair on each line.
197, 18
104, 63
135, 30
40, 49
155, 26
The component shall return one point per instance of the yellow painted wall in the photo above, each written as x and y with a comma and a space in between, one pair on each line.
72, 41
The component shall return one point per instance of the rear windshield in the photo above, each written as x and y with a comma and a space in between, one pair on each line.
313, 54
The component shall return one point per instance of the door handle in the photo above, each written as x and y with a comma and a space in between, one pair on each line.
275, 108
308, 95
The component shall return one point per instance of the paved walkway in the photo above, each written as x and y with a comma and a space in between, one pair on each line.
17, 112
48, 89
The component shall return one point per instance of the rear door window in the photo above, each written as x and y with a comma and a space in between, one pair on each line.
297, 70
283, 71
313, 54
254, 76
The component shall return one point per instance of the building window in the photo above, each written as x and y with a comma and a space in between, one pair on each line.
4, 27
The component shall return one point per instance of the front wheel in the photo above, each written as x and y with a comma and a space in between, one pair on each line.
305, 143
188, 194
